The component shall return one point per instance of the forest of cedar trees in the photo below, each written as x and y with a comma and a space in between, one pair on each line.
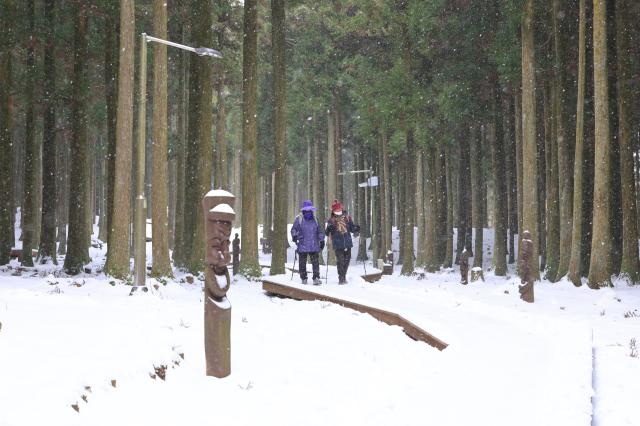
506, 115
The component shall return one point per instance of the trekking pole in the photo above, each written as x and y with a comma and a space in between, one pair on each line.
295, 258
326, 274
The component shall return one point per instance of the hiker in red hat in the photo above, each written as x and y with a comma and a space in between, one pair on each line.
340, 226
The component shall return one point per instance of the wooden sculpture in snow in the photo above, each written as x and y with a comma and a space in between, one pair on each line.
526, 251
218, 217
464, 267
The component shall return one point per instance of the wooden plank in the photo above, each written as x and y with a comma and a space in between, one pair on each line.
391, 318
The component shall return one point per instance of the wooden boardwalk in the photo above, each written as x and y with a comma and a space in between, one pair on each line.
391, 318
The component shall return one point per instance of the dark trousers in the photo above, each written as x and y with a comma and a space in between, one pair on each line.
315, 263
343, 257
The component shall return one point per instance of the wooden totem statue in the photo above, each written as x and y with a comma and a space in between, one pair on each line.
464, 267
218, 217
526, 251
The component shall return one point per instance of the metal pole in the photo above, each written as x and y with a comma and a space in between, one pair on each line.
141, 203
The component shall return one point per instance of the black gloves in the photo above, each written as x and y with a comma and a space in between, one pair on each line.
295, 240
356, 229
321, 245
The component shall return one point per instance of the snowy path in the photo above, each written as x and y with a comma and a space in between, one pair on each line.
502, 365
315, 363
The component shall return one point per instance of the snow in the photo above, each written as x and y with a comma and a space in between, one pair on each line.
223, 208
554, 362
219, 193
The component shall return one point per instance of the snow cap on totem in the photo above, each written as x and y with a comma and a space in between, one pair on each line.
336, 206
307, 205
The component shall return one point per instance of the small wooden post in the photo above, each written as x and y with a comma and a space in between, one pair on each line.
464, 267
526, 249
218, 216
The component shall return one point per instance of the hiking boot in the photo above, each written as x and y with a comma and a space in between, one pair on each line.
303, 281
316, 281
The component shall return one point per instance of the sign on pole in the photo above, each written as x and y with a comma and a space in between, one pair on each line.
372, 181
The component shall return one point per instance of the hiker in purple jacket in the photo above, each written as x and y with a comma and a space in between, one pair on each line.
308, 236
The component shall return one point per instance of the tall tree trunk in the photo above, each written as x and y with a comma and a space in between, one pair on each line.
464, 203
630, 267
575, 272
599, 271
6, 129
77, 248
222, 166
179, 254
552, 127
409, 206
529, 149
517, 101
120, 229
542, 180
448, 258
499, 180
29, 207
565, 164
278, 29
111, 98
62, 161
476, 194
249, 265
47, 251
421, 259
362, 208
321, 171
400, 202
512, 188
331, 185
159, 172
387, 206
430, 213
200, 127
442, 205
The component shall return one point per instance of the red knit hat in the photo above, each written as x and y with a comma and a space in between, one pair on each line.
336, 206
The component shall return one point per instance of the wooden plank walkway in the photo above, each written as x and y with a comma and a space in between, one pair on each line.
391, 318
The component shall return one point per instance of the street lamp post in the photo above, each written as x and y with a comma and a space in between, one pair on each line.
140, 252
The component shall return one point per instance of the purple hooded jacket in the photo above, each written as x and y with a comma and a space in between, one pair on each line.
308, 233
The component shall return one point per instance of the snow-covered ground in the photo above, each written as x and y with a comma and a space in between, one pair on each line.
554, 362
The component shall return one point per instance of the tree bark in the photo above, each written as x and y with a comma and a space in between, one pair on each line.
421, 259
179, 255
565, 164
278, 30
200, 131
111, 99
47, 250
500, 179
476, 193
77, 247
630, 267
552, 208
6, 129
448, 259
512, 189
249, 265
29, 208
159, 172
529, 149
431, 261
599, 271
120, 224
575, 263
409, 206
